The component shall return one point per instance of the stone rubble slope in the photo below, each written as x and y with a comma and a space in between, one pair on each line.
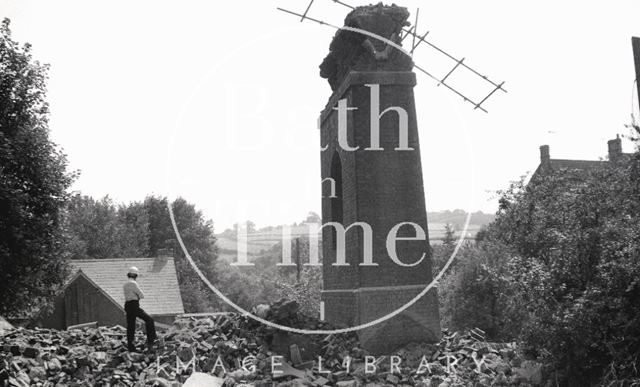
211, 351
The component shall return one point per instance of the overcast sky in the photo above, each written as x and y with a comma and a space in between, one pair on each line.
218, 101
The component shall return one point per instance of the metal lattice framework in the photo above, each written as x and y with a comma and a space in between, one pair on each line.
417, 39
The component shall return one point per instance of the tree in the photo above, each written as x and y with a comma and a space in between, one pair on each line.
313, 217
573, 273
103, 229
299, 282
133, 233
449, 238
558, 271
33, 183
472, 292
248, 225
246, 288
199, 239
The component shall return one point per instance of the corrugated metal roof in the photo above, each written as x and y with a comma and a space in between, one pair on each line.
158, 280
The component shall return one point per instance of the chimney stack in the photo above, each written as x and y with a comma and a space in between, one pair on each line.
615, 148
545, 158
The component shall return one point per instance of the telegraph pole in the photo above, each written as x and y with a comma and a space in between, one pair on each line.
635, 43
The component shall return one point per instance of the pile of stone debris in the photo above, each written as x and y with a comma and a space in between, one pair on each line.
234, 350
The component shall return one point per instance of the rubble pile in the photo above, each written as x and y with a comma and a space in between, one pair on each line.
234, 350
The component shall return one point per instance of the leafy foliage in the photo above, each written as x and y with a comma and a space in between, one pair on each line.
33, 183
558, 269
269, 282
102, 229
470, 294
582, 234
198, 237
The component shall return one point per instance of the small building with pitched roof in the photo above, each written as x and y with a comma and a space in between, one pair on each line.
94, 292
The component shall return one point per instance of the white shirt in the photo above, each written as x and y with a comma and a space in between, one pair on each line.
132, 291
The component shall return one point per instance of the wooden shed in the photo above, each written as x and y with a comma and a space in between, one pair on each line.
94, 292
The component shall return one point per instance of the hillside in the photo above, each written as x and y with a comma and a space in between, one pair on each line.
265, 238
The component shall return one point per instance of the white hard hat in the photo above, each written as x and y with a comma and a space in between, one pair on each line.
133, 270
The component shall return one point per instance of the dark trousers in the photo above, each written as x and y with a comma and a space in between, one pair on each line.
133, 310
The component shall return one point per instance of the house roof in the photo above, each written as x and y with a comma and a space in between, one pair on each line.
80, 274
547, 164
575, 164
158, 280
580, 166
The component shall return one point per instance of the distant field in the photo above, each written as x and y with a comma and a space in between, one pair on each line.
436, 231
253, 246
264, 241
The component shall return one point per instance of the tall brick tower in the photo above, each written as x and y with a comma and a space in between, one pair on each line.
377, 184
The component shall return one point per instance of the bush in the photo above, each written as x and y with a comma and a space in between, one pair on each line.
571, 283
558, 270
472, 293
267, 283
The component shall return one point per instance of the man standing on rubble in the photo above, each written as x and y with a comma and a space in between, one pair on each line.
132, 296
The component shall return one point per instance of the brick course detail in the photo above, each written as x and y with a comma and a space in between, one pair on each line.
382, 188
